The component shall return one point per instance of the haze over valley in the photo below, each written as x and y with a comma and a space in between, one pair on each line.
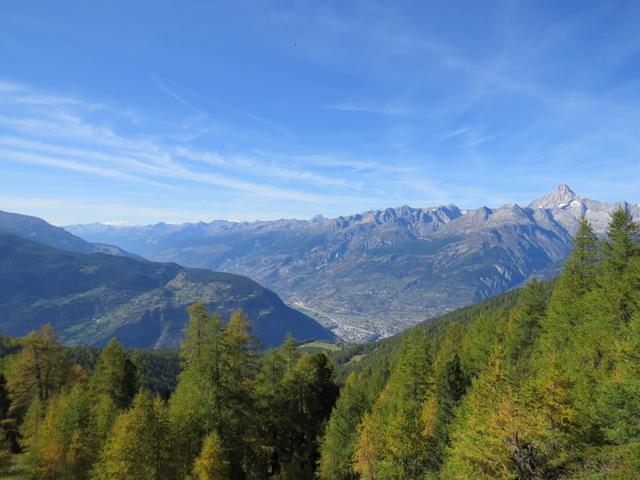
93, 292
375, 273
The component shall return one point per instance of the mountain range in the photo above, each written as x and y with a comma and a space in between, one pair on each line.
376, 273
92, 292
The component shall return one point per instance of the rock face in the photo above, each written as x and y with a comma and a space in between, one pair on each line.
92, 297
559, 198
566, 208
375, 273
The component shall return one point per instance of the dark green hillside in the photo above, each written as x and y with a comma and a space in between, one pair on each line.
91, 297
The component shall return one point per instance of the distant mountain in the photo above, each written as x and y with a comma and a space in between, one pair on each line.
375, 273
91, 297
566, 208
34, 228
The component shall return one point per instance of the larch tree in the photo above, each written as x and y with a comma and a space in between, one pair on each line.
38, 371
392, 442
8, 434
307, 394
620, 280
340, 438
271, 402
216, 390
139, 445
438, 412
64, 446
491, 436
567, 307
196, 333
115, 375
192, 407
524, 324
212, 463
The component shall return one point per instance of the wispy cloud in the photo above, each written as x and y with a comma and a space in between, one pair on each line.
265, 169
181, 98
453, 133
274, 126
330, 161
11, 87
64, 164
393, 110
54, 131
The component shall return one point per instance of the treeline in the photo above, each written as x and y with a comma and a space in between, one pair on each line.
157, 370
235, 413
547, 389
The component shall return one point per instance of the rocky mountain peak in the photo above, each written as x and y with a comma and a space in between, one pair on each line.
375, 272
559, 198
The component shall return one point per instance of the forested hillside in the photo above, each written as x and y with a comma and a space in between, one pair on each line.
91, 297
541, 383
547, 389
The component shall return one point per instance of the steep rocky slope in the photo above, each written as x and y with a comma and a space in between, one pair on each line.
375, 273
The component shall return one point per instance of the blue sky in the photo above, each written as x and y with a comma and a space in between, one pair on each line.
144, 111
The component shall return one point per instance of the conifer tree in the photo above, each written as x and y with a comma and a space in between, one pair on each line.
451, 382
8, 434
621, 244
341, 436
439, 409
553, 412
307, 394
38, 371
289, 351
449, 346
196, 333
211, 464
524, 323
272, 403
236, 398
64, 445
368, 457
392, 442
104, 412
216, 390
618, 398
115, 375
620, 280
591, 356
272, 367
479, 340
567, 305
491, 437
139, 445
192, 407
579, 269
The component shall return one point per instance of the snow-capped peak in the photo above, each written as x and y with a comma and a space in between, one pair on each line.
561, 197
